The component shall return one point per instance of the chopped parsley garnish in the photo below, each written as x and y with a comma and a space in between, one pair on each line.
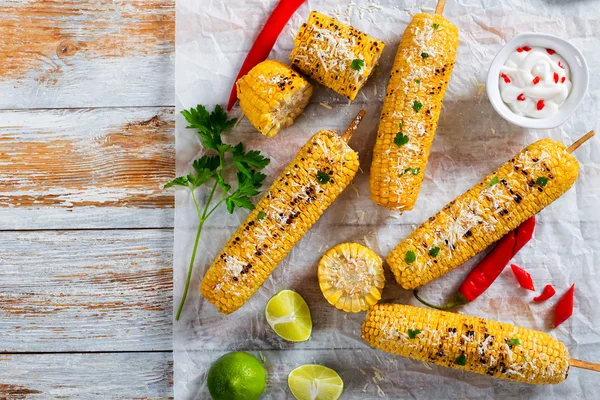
417, 105
400, 139
436, 26
413, 171
542, 181
434, 252
461, 360
417, 81
400, 125
493, 181
412, 333
357, 64
261, 215
424, 55
514, 341
323, 177
410, 257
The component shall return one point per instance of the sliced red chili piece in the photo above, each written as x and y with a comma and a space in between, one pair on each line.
520, 49
536, 80
526, 48
550, 51
546, 294
540, 105
523, 277
555, 77
521, 97
505, 77
563, 79
564, 307
560, 65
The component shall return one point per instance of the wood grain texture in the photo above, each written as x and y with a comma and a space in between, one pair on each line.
57, 53
86, 376
86, 291
88, 168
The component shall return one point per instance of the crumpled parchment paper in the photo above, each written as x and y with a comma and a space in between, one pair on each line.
213, 38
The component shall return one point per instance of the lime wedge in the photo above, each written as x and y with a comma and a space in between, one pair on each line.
315, 382
289, 316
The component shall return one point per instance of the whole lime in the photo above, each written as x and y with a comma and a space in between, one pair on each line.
236, 376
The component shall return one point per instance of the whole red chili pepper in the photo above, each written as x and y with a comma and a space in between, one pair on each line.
546, 294
488, 269
523, 277
265, 41
564, 307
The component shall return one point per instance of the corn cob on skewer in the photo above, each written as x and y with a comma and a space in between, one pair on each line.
519, 189
351, 277
411, 109
469, 343
335, 55
297, 198
272, 96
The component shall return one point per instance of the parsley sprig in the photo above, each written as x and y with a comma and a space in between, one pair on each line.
210, 128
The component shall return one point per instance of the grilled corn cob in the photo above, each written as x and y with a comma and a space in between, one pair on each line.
272, 96
411, 109
351, 277
519, 189
307, 186
468, 343
335, 55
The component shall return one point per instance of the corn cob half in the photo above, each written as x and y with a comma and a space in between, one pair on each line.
517, 190
334, 54
469, 343
272, 96
351, 277
297, 198
411, 109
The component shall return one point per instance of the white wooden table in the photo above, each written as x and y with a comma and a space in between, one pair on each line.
86, 142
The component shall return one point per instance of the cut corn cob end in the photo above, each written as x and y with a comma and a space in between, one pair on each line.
325, 49
469, 343
272, 96
351, 277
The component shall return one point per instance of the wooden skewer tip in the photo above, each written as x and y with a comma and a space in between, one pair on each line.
353, 126
584, 365
439, 9
580, 141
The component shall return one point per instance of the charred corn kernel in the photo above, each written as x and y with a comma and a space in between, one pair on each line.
469, 343
351, 277
519, 189
298, 197
272, 96
411, 109
334, 54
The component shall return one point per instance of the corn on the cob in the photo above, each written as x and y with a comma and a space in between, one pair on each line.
272, 96
468, 343
411, 109
335, 55
351, 277
519, 189
307, 186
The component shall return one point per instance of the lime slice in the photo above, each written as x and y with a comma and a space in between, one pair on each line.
289, 316
315, 382
236, 376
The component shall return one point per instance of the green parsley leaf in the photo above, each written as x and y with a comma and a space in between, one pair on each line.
461, 360
209, 126
179, 181
400, 126
542, 181
493, 181
417, 106
514, 341
415, 171
203, 176
357, 64
424, 55
261, 215
417, 81
410, 257
400, 139
206, 162
412, 333
323, 177
436, 26
434, 251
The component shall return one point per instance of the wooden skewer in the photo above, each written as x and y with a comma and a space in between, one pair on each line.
580, 141
439, 9
585, 365
353, 126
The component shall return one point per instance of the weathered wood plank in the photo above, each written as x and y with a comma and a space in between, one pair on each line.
86, 376
87, 53
86, 290
87, 168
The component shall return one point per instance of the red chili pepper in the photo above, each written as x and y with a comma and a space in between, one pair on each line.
505, 77
560, 65
555, 77
265, 40
523, 277
564, 308
488, 269
526, 48
546, 294
536, 80
562, 80
540, 105
521, 97
550, 51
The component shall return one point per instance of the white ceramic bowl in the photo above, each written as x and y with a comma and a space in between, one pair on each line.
579, 76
